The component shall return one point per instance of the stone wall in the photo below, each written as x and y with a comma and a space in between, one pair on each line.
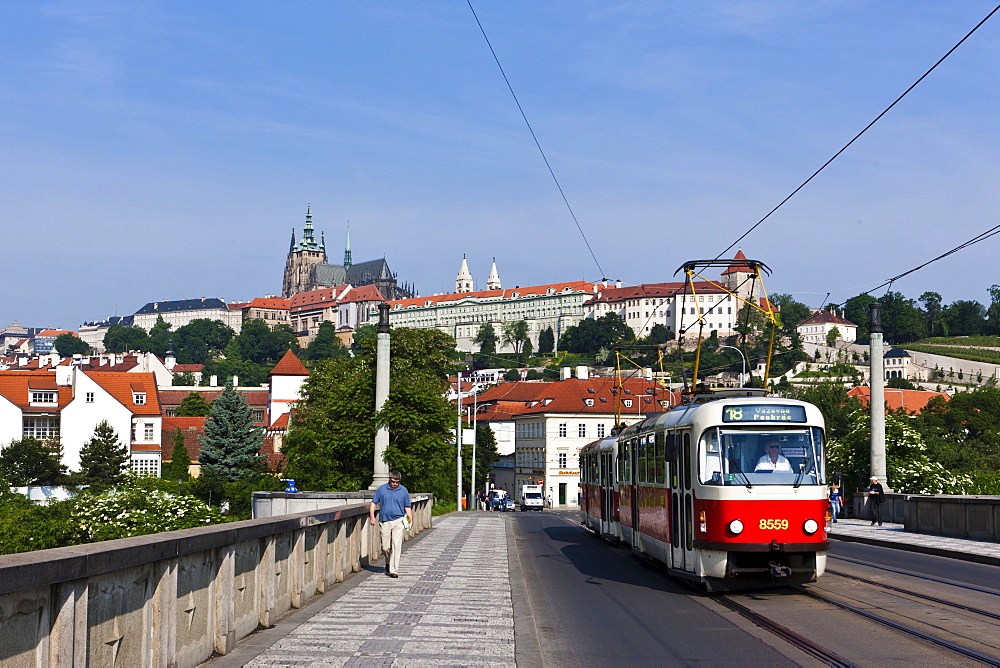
975, 517
172, 599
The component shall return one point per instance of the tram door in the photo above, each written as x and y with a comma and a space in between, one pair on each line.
681, 502
633, 452
609, 514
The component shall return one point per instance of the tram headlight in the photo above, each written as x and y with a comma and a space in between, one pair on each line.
810, 526
736, 527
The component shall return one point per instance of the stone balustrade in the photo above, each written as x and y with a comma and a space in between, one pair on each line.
172, 599
975, 517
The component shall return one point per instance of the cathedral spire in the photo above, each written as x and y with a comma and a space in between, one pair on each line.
291, 246
493, 282
347, 248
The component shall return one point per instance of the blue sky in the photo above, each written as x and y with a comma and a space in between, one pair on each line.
165, 150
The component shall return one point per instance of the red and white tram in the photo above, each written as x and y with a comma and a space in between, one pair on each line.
699, 489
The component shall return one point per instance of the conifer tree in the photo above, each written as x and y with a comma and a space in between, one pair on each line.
231, 444
180, 462
193, 405
104, 458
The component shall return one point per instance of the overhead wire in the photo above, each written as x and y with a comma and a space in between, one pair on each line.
535, 138
857, 136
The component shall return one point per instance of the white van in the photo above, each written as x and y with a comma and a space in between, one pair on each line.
531, 497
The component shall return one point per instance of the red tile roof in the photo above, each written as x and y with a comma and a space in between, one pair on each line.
278, 303
187, 368
314, 298
365, 293
823, 316
511, 293
289, 365
124, 386
569, 396
737, 266
253, 396
56, 332
16, 384
652, 290
191, 428
912, 401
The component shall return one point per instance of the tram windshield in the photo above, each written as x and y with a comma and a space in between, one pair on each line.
754, 457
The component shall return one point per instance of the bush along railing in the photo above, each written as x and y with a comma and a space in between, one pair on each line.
172, 599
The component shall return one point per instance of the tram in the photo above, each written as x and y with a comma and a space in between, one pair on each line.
727, 490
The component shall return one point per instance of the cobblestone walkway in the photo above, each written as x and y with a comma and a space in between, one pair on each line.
450, 606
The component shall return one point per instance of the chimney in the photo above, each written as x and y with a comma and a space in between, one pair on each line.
236, 381
213, 381
618, 284
197, 377
583, 372
565, 373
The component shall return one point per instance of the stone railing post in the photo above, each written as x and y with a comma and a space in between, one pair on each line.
225, 631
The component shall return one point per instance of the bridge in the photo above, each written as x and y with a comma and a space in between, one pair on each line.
307, 587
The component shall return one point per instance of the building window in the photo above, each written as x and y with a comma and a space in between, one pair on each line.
562, 460
258, 414
627, 403
43, 397
146, 465
139, 398
562, 430
581, 431
90, 397
147, 431
40, 427
600, 430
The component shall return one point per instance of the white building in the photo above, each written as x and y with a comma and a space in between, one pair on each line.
818, 326
553, 421
345, 306
181, 312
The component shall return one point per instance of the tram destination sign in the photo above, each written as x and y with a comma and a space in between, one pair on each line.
763, 413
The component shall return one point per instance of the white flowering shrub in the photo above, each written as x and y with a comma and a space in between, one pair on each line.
910, 470
130, 510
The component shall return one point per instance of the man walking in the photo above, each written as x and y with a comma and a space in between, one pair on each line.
876, 494
393, 501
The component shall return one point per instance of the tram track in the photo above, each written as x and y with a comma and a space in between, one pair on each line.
924, 636
812, 648
919, 576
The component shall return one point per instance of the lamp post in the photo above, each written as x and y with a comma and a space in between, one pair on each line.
742, 375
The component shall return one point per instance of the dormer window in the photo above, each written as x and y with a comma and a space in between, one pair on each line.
139, 398
627, 403
589, 402
43, 397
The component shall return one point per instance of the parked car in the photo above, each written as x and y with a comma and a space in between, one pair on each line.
509, 504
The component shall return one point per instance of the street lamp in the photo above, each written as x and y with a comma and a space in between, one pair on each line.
744, 362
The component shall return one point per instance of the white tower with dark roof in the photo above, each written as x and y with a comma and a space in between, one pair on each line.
493, 282
463, 282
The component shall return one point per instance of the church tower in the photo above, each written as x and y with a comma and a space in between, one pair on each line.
347, 249
493, 282
463, 282
738, 278
302, 257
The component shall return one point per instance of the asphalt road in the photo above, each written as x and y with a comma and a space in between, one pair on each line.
965, 572
594, 604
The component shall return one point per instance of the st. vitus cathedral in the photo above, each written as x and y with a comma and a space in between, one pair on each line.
306, 268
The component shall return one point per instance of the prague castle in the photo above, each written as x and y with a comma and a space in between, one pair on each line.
306, 268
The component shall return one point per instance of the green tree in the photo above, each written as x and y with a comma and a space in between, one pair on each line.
933, 312
179, 466
993, 312
68, 345
591, 335
792, 312
193, 405
326, 345
26, 526
201, 339
900, 384
832, 336
159, 337
833, 402
30, 461
515, 334
546, 341
486, 339
122, 339
330, 443
965, 318
231, 444
104, 458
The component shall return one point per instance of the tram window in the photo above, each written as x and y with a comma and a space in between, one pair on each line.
640, 473
687, 460
709, 458
748, 458
658, 459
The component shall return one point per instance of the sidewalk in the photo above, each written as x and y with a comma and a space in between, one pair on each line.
451, 605
893, 536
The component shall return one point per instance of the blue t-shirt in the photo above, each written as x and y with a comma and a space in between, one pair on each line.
392, 502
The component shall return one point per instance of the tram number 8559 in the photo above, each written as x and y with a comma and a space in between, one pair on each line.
774, 524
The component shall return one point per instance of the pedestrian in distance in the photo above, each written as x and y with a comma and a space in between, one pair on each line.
876, 494
836, 501
395, 516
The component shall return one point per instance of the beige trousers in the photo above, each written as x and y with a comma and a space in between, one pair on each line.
392, 542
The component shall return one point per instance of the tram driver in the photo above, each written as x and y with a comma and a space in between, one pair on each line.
772, 460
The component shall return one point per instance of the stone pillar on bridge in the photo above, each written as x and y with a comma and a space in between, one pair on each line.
876, 401
381, 469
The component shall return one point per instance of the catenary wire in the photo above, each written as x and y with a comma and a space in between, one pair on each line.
535, 138
857, 136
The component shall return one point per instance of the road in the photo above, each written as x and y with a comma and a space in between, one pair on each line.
589, 603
